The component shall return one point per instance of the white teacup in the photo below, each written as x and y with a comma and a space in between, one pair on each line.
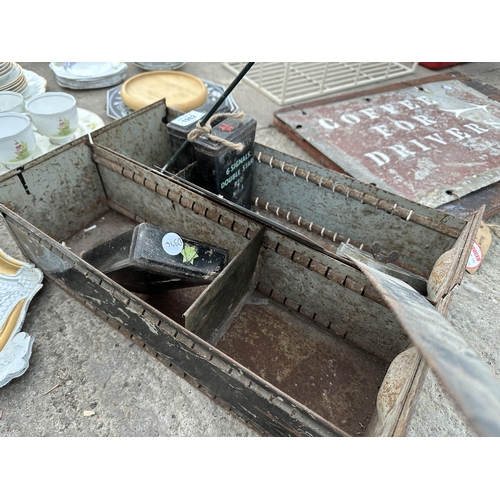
17, 139
54, 115
11, 102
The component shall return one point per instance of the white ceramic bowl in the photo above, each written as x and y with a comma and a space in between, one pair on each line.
11, 102
17, 139
55, 115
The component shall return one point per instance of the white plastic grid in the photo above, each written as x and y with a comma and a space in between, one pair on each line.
289, 82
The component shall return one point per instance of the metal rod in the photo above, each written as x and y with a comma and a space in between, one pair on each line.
212, 110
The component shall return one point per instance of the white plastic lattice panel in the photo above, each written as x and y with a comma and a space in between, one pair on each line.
289, 82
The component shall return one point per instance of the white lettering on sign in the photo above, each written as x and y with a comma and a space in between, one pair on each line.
172, 243
381, 129
401, 150
378, 157
328, 123
389, 108
424, 120
459, 135
413, 115
370, 113
423, 147
476, 128
404, 125
350, 118
408, 104
436, 138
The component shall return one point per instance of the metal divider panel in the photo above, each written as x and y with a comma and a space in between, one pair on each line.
223, 296
468, 380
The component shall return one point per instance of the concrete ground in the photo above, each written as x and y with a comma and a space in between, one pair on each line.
81, 364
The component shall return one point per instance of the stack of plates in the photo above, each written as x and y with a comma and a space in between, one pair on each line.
12, 77
89, 75
157, 66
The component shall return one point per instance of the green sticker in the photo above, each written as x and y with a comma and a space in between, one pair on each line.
189, 254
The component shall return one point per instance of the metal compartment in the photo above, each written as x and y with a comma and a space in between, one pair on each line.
325, 207
293, 340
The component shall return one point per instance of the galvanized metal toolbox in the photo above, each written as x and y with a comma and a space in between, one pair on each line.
290, 337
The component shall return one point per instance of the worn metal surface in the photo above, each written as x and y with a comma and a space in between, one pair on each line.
62, 193
422, 142
466, 377
254, 400
337, 380
301, 279
333, 300
142, 135
465, 206
220, 301
338, 208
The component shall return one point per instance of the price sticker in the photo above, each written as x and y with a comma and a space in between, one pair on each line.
172, 243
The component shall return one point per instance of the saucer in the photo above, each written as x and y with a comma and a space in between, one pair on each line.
19, 283
36, 84
91, 75
117, 109
155, 66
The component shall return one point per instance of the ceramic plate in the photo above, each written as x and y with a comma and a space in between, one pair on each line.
36, 84
19, 282
12, 79
87, 122
117, 109
86, 70
181, 91
155, 66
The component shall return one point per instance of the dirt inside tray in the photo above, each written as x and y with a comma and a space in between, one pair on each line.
323, 372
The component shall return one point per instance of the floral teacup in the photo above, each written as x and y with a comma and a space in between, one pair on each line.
11, 102
54, 115
17, 139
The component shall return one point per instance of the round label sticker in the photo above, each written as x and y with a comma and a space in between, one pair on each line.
172, 243
475, 257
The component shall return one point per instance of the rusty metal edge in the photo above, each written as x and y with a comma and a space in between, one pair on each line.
444, 349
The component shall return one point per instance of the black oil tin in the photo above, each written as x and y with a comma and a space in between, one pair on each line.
179, 128
221, 169
148, 259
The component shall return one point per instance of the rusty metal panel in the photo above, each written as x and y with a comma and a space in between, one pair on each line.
306, 304
429, 143
60, 193
142, 135
469, 381
347, 210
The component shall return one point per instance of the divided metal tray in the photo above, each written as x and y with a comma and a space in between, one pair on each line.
292, 338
